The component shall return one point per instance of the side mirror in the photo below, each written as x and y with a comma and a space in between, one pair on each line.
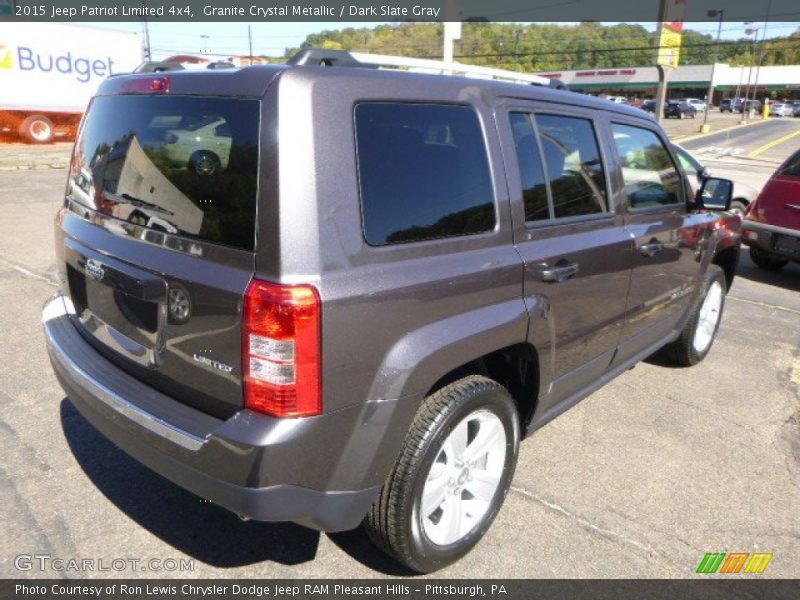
714, 194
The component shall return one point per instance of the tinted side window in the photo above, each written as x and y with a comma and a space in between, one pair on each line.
572, 159
792, 168
650, 176
423, 172
534, 188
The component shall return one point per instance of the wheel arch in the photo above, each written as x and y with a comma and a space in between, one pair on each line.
515, 367
491, 340
728, 260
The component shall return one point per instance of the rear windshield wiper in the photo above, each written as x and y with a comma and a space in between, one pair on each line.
145, 204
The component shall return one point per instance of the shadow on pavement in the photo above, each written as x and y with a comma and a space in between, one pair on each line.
788, 277
358, 546
201, 530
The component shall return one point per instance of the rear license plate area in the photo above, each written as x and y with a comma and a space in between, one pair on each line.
121, 311
786, 244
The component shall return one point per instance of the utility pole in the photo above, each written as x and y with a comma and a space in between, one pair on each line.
761, 58
146, 26
516, 48
250, 43
745, 111
452, 32
704, 128
669, 34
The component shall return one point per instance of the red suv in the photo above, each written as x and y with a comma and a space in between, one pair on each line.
772, 225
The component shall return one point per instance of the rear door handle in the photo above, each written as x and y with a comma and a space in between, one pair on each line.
651, 249
560, 273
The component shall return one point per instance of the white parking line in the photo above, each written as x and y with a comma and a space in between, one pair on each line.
766, 305
28, 273
606, 533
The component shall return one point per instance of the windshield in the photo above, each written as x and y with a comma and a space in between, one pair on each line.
175, 164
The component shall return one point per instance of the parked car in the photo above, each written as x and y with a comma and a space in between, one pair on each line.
699, 105
781, 109
742, 195
649, 106
203, 145
679, 110
727, 104
618, 99
746, 105
390, 303
796, 108
772, 225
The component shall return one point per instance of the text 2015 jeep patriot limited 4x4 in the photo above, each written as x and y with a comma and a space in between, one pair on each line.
335, 295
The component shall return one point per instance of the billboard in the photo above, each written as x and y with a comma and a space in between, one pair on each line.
59, 67
670, 33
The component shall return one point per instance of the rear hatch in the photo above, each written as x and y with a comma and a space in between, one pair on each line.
779, 201
158, 238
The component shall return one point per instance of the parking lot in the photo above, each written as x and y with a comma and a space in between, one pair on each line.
639, 480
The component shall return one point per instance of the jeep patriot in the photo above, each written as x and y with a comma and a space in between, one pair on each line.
334, 294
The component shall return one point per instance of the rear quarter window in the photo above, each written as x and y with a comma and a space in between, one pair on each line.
423, 172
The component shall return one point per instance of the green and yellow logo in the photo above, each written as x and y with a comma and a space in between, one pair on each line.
5, 58
734, 562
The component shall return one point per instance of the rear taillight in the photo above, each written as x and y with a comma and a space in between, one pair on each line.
281, 349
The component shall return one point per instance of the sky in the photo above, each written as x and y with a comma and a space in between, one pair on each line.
270, 39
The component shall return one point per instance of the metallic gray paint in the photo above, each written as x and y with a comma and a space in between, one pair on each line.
395, 319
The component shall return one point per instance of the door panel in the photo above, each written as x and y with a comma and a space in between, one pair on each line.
579, 266
664, 273
664, 259
587, 309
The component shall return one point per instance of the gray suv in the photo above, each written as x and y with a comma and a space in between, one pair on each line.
338, 295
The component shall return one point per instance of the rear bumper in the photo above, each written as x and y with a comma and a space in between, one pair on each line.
322, 472
763, 235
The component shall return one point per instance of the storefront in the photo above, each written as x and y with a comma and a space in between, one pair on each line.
777, 83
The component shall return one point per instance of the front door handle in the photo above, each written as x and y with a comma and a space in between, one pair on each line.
559, 273
651, 249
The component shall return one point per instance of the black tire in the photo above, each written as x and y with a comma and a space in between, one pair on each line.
394, 522
764, 260
37, 129
683, 351
205, 163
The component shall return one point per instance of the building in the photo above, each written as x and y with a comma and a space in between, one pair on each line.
777, 83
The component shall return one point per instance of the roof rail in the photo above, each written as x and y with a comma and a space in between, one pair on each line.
343, 58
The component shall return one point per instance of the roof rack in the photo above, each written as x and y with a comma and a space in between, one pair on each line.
342, 58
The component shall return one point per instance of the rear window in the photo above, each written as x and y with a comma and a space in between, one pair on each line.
423, 172
179, 165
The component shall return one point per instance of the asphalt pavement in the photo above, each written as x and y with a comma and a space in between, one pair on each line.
641, 479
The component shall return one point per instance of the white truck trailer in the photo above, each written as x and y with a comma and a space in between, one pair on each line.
48, 73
